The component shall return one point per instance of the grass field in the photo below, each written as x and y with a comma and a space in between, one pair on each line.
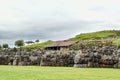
57, 73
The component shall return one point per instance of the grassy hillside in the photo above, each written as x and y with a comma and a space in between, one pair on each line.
97, 35
85, 36
38, 45
116, 41
57, 73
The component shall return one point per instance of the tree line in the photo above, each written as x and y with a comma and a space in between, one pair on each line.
18, 43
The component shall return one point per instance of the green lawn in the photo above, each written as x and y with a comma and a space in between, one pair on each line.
57, 73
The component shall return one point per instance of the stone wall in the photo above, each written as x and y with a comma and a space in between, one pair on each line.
88, 56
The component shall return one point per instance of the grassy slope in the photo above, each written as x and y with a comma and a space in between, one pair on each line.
116, 41
57, 73
39, 45
97, 35
85, 36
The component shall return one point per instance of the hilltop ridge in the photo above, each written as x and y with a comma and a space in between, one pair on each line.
97, 35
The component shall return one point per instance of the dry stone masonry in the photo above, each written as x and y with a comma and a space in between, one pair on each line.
85, 55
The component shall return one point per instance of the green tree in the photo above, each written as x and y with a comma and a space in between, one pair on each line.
29, 42
37, 41
19, 43
5, 45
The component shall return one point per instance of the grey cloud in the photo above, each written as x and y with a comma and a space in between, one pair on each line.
55, 20
55, 30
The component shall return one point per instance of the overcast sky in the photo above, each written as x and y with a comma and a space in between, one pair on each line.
55, 19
